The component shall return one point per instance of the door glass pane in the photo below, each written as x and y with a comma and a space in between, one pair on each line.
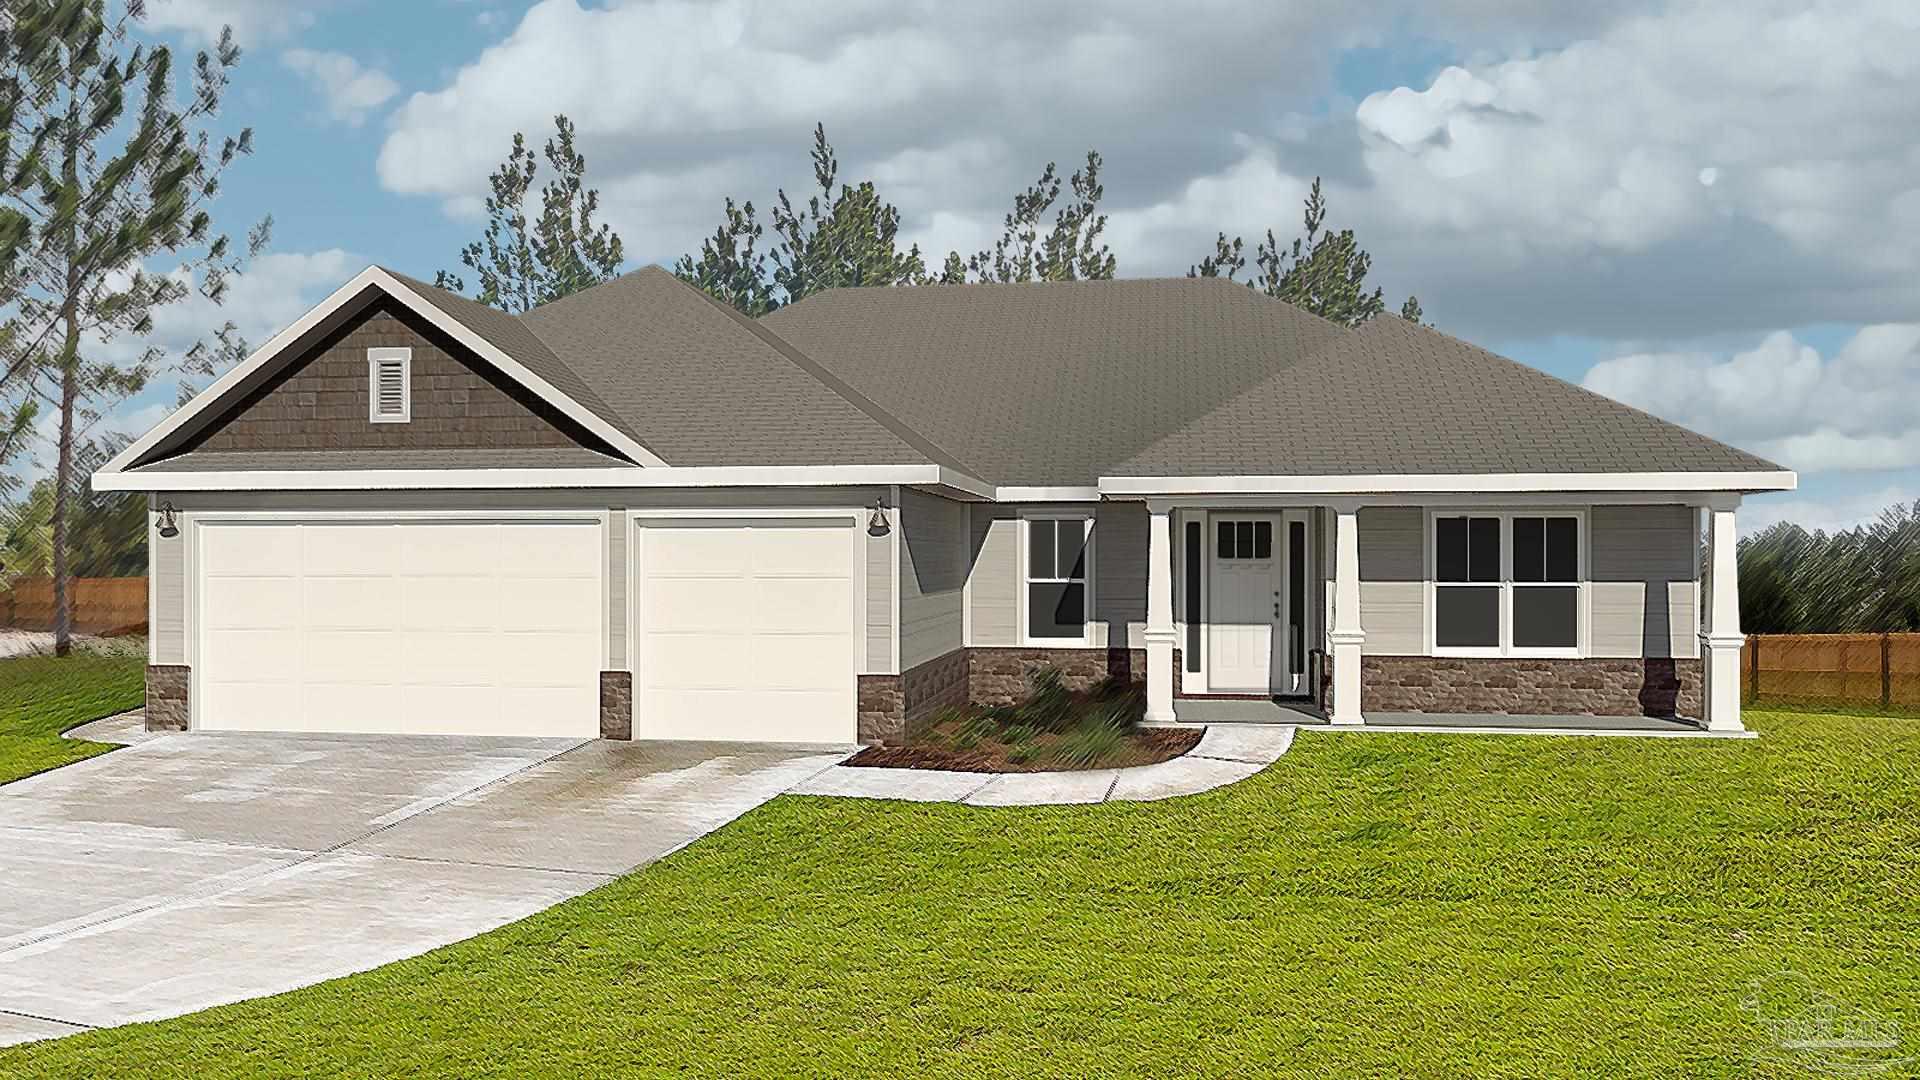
1297, 593
1529, 549
1056, 609
1243, 539
1466, 617
1450, 548
1483, 549
1226, 540
1263, 539
1040, 549
1563, 549
1546, 617
1073, 549
1194, 539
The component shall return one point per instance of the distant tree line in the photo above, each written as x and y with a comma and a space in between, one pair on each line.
848, 235
1860, 580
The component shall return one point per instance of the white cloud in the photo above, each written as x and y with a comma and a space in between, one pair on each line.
349, 90
1829, 513
1853, 411
253, 21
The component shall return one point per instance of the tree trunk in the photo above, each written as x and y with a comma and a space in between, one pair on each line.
62, 482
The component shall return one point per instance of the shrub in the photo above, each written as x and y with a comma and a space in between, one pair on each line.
1049, 704
1093, 739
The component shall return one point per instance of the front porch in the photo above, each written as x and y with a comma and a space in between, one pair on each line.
1578, 612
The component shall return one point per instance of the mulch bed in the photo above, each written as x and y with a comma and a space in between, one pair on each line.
1143, 747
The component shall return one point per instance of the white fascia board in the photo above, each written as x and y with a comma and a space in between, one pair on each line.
374, 276
1046, 494
483, 479
1471, 483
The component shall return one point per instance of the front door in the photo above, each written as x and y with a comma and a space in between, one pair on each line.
1257, 604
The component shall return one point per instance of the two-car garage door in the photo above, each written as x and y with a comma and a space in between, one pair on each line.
742, 629
423, 627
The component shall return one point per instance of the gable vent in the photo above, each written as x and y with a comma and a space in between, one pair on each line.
389, 396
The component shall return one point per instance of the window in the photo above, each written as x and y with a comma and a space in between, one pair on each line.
1245, 539
1057, 600
1507, 584
389, 389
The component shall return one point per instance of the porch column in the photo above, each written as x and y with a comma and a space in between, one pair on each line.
1346, 636
1159, 633
1720, 637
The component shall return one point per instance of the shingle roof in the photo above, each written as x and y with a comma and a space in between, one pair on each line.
1051, 383
701, 384
1394, 397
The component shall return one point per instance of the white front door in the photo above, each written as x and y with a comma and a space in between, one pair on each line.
1243, 640
1258, 592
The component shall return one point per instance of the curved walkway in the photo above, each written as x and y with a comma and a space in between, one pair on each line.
1225, 755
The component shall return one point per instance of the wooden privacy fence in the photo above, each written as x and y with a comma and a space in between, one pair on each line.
1856, 669
100, 605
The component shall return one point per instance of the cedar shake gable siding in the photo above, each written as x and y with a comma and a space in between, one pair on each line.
318, 401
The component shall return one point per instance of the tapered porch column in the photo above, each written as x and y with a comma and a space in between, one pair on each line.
1720, 637
1346, 637
1159, 632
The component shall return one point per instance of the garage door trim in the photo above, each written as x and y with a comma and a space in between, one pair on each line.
191, 522
848, 518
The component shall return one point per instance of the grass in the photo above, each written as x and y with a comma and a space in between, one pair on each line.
42, 696
1373, 904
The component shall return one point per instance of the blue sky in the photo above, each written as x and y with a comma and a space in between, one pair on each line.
1695, 207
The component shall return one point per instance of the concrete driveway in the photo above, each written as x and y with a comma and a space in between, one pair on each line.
193, 870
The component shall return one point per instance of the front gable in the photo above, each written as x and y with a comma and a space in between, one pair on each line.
319, 399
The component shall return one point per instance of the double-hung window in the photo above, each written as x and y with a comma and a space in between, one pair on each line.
1057, 600
1507, 584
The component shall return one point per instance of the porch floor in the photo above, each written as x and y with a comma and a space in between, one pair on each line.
1304, 714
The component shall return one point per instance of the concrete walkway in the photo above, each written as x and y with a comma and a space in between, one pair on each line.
1224, 756
193, 870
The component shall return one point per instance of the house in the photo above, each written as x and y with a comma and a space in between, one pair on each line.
635, 512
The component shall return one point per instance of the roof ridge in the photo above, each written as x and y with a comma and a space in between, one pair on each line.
894, 425
1537, 373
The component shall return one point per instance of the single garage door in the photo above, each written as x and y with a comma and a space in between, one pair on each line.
747, 630
456, 627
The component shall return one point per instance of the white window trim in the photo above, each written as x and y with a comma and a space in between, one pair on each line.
1582, 583
376, 357
1085, 639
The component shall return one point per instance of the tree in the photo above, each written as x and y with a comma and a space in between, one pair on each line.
106, 171
838, 238
107, 536
1860, 580
1068, 251
521, 264
1322, 271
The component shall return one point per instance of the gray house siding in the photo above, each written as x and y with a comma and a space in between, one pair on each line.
993, 574
1642, 568
1393, 591
1120, 575
933, 576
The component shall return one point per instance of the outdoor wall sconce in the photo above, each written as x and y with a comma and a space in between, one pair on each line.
877, 521
168, 529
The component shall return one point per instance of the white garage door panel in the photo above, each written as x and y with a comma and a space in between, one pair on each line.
748, 630
478, 628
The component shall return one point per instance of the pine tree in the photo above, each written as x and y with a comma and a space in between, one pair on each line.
103, 172
521, 263
1069, 250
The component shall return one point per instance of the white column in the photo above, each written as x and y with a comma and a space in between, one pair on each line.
1346, 637
1720, 637
1159, 634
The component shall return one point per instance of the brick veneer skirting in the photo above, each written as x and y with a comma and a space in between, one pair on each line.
881, 711
1597, 687
167, 697
616, 704
998, 676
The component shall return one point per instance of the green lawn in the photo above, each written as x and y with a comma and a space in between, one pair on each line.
42, 696
1372, 904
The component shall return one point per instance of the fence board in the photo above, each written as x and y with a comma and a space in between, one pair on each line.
100, 605
1852, 669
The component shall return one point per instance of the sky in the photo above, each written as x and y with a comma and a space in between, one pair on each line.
1708, 209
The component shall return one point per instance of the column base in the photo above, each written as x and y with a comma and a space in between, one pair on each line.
1344, 709
1160, 676
1721, 663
